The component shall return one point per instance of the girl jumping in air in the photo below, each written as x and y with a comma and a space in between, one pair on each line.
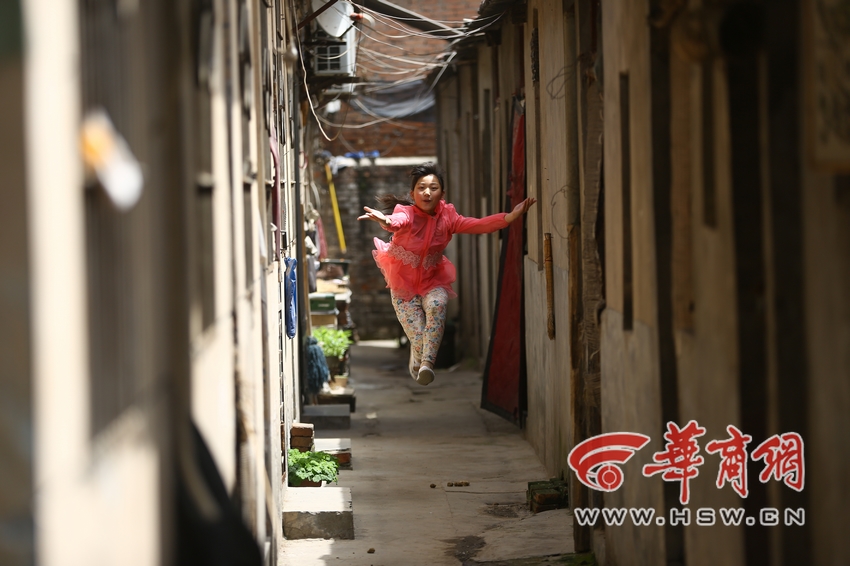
418, 275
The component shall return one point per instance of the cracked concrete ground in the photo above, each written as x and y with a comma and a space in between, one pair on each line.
405, 438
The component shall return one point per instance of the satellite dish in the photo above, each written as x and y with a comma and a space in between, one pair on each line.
336, 19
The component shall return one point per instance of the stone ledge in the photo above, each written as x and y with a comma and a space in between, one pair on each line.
327, 416
342, 396
318, 512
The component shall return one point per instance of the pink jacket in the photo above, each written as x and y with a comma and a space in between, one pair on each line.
413, 262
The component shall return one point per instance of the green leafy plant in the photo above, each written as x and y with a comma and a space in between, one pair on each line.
334, 343
311, 466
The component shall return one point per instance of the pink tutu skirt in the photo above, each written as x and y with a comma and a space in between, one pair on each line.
408, 274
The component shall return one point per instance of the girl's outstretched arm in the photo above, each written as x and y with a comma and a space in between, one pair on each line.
376, 216
389, 222
469, 225
520, 209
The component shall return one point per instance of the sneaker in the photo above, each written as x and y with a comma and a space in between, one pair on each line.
425, 376
413, 366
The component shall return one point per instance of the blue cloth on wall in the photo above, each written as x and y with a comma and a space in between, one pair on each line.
290, 296
317, 366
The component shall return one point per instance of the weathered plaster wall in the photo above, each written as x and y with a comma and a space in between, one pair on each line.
629, 393
725, 263
709, 390
826, 213
630, 379
549, 422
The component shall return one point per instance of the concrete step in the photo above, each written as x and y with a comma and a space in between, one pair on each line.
341, 396
318, 512
327, 417
339, 447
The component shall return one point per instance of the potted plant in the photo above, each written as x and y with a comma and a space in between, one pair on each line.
335, 345
311, 469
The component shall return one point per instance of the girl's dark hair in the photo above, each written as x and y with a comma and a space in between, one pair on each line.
388, 202
425, 169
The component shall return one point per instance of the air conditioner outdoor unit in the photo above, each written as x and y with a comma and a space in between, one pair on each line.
334, 56
334, 39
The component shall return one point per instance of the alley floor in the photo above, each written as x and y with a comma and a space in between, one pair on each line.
408, 442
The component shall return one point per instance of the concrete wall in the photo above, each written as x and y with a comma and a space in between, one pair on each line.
827, 218
631, 389
98, 499
549, 173
723, 247
818, 322
709, 388
475, 112
83, 486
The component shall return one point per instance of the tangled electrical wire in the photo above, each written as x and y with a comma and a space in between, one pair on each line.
388, 70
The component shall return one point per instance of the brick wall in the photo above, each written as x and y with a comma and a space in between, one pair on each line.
356, 187
386, 38
401, 138
389, 139
371, 309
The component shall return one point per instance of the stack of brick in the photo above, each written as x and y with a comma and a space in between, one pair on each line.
301, 436
547, 495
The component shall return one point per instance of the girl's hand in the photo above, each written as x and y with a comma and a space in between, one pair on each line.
520, 209
375, 215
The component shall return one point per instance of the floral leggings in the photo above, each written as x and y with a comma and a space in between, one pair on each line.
423, 320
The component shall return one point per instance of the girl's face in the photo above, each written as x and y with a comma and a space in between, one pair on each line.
427, 193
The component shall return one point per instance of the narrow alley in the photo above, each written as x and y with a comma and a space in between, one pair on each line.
619, 231
407, 443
